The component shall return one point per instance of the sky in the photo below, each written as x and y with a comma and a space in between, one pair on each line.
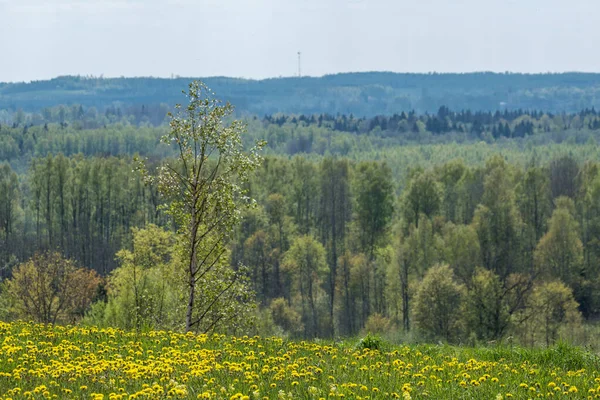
41, 39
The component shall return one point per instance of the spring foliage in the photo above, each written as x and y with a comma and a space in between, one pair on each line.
50, 288
204, 189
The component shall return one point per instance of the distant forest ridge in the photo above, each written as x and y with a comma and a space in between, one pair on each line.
361, 94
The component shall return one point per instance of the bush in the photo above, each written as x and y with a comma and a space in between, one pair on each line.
370, 342
377, 324
50, 288
286, 317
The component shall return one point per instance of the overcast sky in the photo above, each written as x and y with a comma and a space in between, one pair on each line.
260, 38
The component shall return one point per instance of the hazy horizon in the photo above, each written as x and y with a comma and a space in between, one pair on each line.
258, 40
91, 76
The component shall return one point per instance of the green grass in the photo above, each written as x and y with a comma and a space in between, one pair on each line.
38, 361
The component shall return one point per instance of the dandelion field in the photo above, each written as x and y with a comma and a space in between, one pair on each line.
39, 361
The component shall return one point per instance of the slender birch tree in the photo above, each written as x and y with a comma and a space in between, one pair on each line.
204, 186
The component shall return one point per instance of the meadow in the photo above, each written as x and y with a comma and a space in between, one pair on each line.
42, 361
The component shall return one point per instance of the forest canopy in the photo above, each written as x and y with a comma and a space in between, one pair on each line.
486, 220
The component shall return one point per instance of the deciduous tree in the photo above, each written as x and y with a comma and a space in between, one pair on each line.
438, 304
306, 264
205, 190
49, 288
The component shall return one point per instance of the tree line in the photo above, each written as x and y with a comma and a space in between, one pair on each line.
85, 207
363, 94
506, 123
343, 135
333, 248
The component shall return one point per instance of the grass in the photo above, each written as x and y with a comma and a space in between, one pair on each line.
38, 361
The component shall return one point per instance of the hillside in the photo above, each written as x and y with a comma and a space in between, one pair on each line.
361, 94
458, 226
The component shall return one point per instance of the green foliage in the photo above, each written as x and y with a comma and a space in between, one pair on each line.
49, 288
286, 317
460, 248
204, 188
85, 207
8, 311
550, 308
451, 197
559, 253
497, 221
487, 311
148, 289
10, 208
306, 266
533, 198
415, 254
370, 342
439, 305
423, 196
377, 324
145, 291
375, 204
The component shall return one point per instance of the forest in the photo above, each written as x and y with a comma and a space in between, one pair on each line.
459, 226
120, 131
363, 94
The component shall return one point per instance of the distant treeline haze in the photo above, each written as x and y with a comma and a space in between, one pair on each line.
361, 94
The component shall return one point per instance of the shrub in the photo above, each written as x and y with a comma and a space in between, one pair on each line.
370, 342
377, 324
50, 288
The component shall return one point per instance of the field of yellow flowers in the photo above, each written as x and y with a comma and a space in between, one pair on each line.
41, 361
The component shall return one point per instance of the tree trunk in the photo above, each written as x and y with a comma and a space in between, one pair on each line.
333, 276
193, 268
405, 300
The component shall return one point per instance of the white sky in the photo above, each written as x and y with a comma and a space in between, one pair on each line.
42, 39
